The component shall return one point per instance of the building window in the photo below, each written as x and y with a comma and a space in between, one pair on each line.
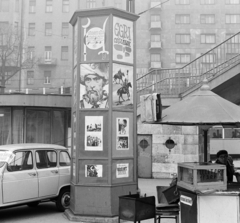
8, 81
118, 4
65, 29
48, 29
31, 52
32, 6
155, 38
155, 57
47, 77
4, 5
182, 2
155, 18
232, 2
64, 53
208, 38
183, 38
233, 40
91, 4
31, 29
209, 58
65, 6
182, 19
233, 19
207, 2
207, 19
16, 5
183, 58
49, 5
30, 77
16, 26
48, 53
141, 72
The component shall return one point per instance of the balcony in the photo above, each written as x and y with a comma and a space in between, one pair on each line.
47, 62
155, 5
155, 25
154, 65
155, 45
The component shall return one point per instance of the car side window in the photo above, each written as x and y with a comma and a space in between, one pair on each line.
22, 161
46, 159
64, 159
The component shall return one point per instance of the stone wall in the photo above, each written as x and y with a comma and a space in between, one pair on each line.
164, 162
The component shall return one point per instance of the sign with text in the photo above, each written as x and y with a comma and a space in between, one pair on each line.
122, 40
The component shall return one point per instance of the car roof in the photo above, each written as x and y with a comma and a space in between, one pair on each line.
22, 146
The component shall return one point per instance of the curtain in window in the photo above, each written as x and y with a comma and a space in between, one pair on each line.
5, 126
58, 127
38, 126
17, 126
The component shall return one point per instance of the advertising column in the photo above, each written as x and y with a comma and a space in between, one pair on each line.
103, 113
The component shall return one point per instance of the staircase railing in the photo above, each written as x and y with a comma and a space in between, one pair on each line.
172, 82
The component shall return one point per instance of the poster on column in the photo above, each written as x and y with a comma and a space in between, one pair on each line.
95, 39
122, 170
93, 133
94, 85
92, 170
122, 40
122, 134
122, 86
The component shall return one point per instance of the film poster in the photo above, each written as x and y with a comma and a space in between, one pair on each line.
95, 39
122, 40
122, 86
122, 134
92, 170
93, 133
94, 85
122, 170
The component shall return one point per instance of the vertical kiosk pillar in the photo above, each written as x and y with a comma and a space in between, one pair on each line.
104, 128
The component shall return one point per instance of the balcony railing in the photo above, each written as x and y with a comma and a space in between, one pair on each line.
155, 25
50, 61
172, 82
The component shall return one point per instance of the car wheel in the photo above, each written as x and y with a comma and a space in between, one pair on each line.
33, 204
63, 200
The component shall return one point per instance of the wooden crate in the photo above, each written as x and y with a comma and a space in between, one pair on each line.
202, 176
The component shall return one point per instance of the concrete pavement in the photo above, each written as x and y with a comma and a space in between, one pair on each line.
47, 213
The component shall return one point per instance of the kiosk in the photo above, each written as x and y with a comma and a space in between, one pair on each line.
103, 113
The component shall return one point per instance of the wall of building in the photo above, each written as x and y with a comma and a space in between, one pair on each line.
187, 149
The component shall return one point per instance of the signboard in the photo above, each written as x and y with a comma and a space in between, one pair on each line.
95, 34
122, 40
186, 200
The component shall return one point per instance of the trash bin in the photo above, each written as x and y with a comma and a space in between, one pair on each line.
135, 208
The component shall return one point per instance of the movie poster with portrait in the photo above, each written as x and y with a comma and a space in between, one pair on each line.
93, 133
122, 40
92, 170
122, 86
122, 134
95, 38
122, 170
94, 85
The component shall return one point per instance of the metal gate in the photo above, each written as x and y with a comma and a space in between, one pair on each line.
145, 156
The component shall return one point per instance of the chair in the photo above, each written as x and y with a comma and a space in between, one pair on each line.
165, 210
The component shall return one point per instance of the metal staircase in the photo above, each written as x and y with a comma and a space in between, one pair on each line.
175, 82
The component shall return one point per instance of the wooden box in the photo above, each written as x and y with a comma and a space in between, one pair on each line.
202, 176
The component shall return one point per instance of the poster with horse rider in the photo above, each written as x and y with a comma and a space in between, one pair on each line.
122, 86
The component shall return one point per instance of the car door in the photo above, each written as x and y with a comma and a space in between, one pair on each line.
64, 168
20, 180
47, 170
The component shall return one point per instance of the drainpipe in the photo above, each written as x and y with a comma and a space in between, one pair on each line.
21, 47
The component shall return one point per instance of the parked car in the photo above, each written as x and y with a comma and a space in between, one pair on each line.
34, 173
